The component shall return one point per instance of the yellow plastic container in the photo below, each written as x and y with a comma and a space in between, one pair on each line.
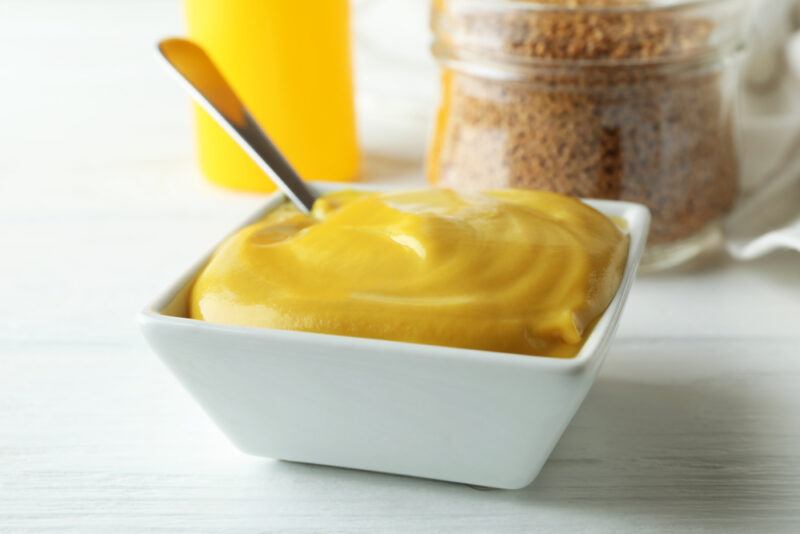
290, 62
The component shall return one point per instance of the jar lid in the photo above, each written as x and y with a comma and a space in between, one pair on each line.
607, 32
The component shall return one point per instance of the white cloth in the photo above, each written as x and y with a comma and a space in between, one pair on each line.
768, 216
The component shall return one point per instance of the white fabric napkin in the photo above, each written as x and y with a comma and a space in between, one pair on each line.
768, 215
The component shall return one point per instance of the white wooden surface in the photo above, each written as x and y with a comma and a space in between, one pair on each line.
694, 423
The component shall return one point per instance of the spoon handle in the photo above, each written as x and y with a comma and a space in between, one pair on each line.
208, 87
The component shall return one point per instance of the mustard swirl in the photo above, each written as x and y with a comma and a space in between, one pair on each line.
523, 272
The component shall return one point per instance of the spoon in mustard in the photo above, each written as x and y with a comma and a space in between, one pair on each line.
206, 84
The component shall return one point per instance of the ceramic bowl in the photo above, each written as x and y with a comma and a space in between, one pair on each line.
469, 416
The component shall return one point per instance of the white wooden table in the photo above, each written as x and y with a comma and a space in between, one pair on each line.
694, 423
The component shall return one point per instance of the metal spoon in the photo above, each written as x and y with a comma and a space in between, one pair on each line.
208, 87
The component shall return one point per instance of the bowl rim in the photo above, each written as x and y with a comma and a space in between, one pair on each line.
636, 216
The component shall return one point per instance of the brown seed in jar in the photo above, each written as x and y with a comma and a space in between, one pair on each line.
649, 133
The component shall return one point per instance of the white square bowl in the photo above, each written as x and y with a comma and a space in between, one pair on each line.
468, 416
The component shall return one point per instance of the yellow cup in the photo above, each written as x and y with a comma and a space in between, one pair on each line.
290, 62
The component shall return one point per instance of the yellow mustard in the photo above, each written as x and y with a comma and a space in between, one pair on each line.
524, 272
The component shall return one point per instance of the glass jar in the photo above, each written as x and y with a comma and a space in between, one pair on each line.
616, 99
